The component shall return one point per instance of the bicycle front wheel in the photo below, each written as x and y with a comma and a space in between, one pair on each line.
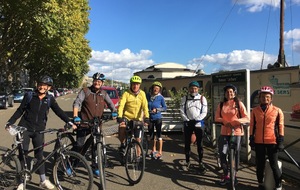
101, 165
134, 162
10, 167
72, 171
232, 168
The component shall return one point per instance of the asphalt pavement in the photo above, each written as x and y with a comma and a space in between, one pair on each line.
161, 174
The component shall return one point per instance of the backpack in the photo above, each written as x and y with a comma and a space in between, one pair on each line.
237, 105
186, 99
30, 94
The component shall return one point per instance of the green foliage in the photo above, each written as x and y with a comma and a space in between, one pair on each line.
45, 37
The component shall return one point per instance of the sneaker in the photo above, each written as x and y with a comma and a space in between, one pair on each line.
158, 156
21, 186
224, 180
186, 167
153, 154
46, 185
202, 168
96, 173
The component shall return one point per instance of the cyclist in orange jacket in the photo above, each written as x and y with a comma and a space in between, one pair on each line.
266, 135
232, 114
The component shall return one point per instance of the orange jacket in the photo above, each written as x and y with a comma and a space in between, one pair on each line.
229, 113
262, 124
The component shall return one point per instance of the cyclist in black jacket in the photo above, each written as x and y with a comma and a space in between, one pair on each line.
34, 109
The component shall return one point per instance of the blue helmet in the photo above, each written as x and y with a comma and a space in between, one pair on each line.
194, 83
99, 76
230, 86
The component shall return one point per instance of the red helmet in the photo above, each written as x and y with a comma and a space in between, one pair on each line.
267, 89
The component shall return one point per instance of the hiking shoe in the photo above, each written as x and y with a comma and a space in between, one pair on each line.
21, 186
224, 180
186, 167
96, 173
202, 168
46, 185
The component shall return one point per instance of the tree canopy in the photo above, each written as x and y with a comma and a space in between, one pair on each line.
45, 38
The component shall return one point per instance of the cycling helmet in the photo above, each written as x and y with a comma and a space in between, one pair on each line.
230, 86
99, 76
267, 89
46, 80
156, 83
194, 83
136, 79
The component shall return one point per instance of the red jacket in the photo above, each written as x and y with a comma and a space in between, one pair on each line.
262, 124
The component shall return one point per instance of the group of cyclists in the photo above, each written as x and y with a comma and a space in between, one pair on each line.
266, 121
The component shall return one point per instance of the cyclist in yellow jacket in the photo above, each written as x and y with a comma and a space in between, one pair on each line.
133, 106
266, 135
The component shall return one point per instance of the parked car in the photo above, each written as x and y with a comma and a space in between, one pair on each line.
6, 100
18, 95
28, 89
114, 96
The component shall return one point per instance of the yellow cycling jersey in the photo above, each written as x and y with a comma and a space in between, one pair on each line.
133, 106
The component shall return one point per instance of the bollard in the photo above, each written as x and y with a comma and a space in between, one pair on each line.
269, 181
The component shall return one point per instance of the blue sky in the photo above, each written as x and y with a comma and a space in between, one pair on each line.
127, 36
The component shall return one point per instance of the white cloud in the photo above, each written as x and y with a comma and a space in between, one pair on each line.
292, 34
258, 5
237, 59
119, 66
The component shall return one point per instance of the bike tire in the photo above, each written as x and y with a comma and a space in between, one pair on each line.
232, 168
72, 171
101, 165
134, 164
68, 141
10, 168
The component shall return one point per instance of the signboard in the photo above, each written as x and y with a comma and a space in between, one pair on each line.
241, 79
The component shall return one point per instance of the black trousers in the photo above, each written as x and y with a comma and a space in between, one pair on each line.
188, 131
37, 140
270, 150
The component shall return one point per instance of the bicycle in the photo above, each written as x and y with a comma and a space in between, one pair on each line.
134, 157
95, 141
232, 158
70, 169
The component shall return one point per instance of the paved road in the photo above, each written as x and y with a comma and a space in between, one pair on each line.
159, 174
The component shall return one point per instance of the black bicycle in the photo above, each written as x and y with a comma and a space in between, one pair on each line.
96, 141
134, 157
70, 170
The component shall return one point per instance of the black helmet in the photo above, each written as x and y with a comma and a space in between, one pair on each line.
99, 76
46, 80
230, 86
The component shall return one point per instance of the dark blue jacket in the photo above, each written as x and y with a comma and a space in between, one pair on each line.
157, 102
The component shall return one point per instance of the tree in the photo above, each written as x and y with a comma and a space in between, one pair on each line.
46, 37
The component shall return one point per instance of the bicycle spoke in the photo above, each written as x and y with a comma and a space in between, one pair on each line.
9, 169
72, 171
135, 162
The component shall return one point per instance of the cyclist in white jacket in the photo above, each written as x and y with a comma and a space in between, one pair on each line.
193, 110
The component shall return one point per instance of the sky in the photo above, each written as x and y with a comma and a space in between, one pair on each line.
127, 36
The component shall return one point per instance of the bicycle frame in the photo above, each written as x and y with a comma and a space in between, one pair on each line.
33, 168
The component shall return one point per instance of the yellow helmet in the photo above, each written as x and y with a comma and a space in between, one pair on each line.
136, 79
156, 83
